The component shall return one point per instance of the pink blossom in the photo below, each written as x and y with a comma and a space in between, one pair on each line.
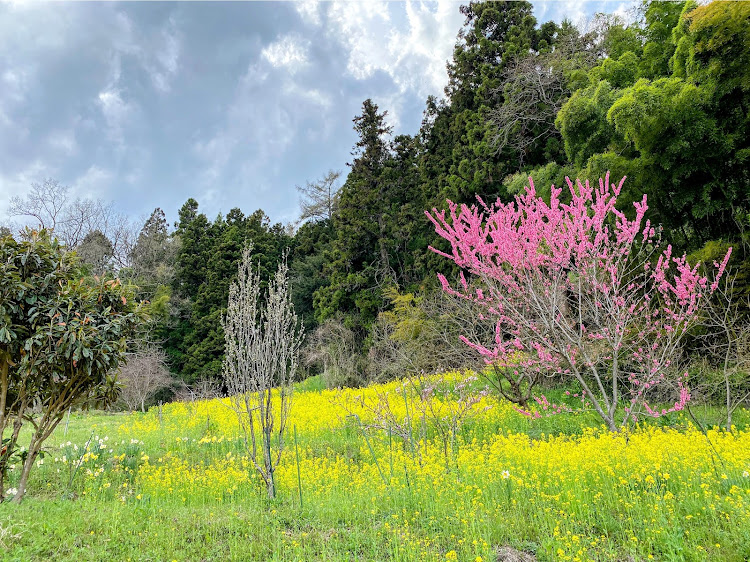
573, 284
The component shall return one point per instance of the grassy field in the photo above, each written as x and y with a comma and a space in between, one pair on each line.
378, 474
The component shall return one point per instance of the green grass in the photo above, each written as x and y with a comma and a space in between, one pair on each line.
106, 509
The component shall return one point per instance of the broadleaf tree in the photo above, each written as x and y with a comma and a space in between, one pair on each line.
62, 336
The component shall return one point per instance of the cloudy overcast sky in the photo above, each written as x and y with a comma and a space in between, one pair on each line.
233, 104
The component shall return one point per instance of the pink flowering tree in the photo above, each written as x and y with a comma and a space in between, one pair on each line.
578, 290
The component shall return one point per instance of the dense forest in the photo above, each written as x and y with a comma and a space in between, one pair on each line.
663, 100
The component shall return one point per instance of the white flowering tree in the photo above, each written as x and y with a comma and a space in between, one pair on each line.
262, 337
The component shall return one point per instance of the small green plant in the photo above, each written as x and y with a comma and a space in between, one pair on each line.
9, 533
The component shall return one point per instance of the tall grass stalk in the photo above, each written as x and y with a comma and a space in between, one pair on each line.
299, 472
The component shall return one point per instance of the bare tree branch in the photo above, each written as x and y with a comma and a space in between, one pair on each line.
49, 205
725, 346
144, 374
534, 89
319, 199
262, 340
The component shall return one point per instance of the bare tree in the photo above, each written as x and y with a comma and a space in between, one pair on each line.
49, 205
262, 337
333, 346
205, 389
534, 89
144, 374
422, 334
44, 203
726, 346
319, 198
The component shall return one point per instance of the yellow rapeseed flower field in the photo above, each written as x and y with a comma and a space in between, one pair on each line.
414, 473
432, 469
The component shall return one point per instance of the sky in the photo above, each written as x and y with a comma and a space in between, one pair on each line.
146, 104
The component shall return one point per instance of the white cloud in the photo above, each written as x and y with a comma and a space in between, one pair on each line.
266, 116
315, 96
626, 11
171, 109
581, 12
215, 152
309, 11
63, 142
19, 183
162, 61
412, 52
118, 112
169, 56
93, 183
15, 83
114, 109
428, 45
254, 75
290, 52
362, 27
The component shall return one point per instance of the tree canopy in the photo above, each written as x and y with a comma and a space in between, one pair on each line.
62, 336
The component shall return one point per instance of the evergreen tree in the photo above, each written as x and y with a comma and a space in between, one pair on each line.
307, 272
206, 265
359, 263
461, 159
96, 252
151, 254
406, 233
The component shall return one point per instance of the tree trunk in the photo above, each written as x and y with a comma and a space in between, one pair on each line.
728, 385
33, 452
8, 449
3, 390
2, 483
269, 463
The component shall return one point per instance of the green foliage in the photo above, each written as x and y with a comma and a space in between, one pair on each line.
95, 251
544, 178
660, 19
711, 46
461, 159
306, 268
115, 515
663, 100
152, 256
205, 266
358, 254
620, 72
582, 121
61, 337
379, 233
617, 38
679, 129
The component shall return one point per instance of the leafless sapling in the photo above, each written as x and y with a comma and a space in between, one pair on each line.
262, 337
